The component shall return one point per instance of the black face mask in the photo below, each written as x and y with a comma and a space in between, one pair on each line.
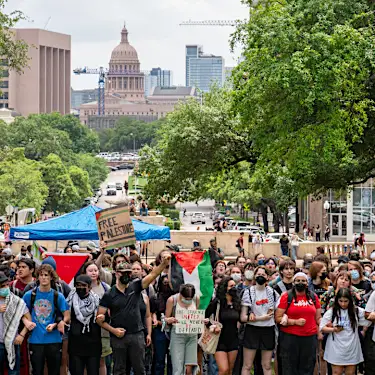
232, 292
300, 287
81, 292
324, 276
261, 280
124, 279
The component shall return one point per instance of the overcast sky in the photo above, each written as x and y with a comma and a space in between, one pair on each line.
153, 26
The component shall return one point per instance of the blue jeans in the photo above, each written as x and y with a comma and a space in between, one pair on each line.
212, 365
4, 359
161, 344
143, 211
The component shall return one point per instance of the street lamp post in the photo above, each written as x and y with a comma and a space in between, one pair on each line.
132, 135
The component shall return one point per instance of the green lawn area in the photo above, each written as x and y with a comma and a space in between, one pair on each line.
136, 184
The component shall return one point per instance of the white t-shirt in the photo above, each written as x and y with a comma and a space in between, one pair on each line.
259, 301
343, 348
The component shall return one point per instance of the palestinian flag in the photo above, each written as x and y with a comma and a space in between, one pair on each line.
193, 268
68, 265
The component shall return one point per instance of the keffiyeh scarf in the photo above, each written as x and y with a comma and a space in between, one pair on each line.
84, 309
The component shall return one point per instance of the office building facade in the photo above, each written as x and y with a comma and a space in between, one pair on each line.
203, 70
44, 86
79, 97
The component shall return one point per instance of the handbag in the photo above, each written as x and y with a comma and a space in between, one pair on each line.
209, 340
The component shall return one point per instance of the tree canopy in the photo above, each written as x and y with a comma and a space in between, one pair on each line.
298, 119
127, 134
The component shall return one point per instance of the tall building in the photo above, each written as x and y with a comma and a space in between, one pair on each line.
44, 86
157, 77
125, 90
79, 97
203, 70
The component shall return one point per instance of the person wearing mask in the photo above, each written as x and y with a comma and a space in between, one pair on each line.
239, 244
271, 264
236, 275
13, 310
343, 280
109, 277
295, 245
99, 288
258, 309
25, 270
160, 340
183, 347
358, 278
122, 302
318, 282
299, 315
343, 348
284, 244
24, 254
240, 262
228, 304
287, 269
367, 269
249, 274
85, 344
46, 305
215, 252
220, 268
259, 259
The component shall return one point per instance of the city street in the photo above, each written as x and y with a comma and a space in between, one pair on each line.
113, 178
205, 207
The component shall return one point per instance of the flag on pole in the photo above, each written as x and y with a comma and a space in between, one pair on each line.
68, 265
36, 252
193, 268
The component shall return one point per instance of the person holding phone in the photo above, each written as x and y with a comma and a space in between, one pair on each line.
258, 307
122, 302
343, 348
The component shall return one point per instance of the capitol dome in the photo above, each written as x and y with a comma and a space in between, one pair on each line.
124, 52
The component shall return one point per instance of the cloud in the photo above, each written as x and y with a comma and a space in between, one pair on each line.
153, 29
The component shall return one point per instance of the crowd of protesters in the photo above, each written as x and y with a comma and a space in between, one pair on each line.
119, 317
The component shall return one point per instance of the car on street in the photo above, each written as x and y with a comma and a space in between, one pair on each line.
111, 189
275, 238
98, 192
118, 186
198, 217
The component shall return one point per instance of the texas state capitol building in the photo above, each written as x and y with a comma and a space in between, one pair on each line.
124, 91
347, 212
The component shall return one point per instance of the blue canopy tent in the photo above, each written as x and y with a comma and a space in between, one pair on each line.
81, 225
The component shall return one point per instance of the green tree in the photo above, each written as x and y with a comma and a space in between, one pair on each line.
21, 182
81, 181
305, 89
195, 143
62, 193
14, 52
95, 167
128, 133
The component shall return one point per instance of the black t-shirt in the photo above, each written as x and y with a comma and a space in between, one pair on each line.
277, 288
319, 290
124, 308
88, 344
364, 285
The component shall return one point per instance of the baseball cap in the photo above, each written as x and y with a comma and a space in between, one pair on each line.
342, 259
83, 279
51, 262
124, 267
91, 246
75, 248
6, 252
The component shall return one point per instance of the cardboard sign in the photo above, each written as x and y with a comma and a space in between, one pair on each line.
115, 227
189, 321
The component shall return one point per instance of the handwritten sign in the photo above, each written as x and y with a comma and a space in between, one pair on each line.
115, 227
189, 321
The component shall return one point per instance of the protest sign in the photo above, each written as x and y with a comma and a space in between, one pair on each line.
115, 227
189, 321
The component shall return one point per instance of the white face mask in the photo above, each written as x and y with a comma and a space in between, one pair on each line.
236, 277
249, 275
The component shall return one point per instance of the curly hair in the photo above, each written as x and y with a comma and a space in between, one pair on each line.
51, 272
221, 292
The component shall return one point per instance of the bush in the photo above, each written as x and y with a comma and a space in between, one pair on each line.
173, 224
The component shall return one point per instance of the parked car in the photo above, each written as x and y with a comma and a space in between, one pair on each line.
118, 186
198, 217
98, 192
111, 190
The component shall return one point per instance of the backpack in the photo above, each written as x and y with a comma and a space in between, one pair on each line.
55, 303
291, 296
282, 287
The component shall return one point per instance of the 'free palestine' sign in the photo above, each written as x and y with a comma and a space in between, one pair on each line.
115, 227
